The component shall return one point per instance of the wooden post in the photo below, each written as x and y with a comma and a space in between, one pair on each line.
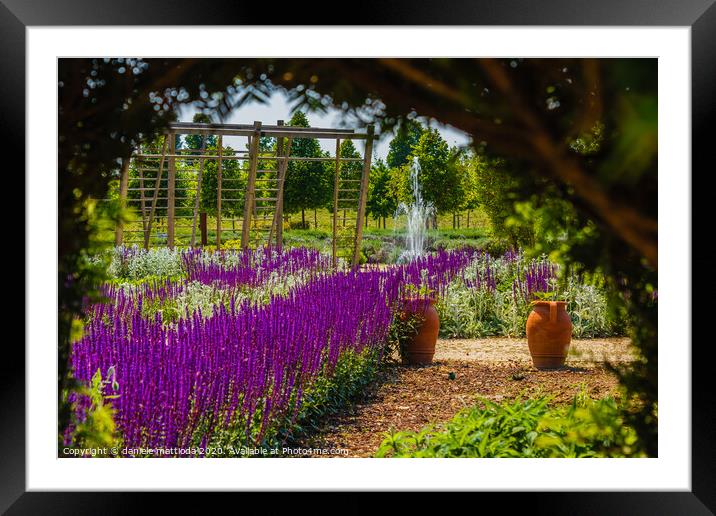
171, 183
220, 143
198, 194
251, 184
123, 185
202, 228
278, 213
363, 195
335, 202
148, 232
142, 203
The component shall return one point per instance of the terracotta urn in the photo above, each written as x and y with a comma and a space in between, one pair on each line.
421, 348
549, 332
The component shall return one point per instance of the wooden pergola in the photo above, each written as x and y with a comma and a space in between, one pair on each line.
262, 220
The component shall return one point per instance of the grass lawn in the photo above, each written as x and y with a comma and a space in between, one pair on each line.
379, 244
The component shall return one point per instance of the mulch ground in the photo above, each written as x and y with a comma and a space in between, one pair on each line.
411, 397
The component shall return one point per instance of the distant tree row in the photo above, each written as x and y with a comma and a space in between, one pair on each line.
454, 180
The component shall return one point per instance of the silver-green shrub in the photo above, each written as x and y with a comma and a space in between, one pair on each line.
491, 299
135, 263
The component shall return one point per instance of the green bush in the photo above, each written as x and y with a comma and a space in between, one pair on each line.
380, 249
135, 263
528, 429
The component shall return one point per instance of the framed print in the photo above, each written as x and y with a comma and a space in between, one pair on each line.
431, 235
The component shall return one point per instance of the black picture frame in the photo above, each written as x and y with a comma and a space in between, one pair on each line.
700, 15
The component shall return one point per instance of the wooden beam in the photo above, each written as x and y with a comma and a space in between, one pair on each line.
208, 128
278, 213
123, 186
142, 203
307, 132
220, 143
277, 223
251, 185
171, 184
158, 182
363, 195
242, 158
315, 134
202, 228
198, 193
334, 251
189, 157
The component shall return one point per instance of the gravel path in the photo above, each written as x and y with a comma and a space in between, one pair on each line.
498, 350
499, 369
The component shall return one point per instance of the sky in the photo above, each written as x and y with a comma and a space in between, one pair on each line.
278, 108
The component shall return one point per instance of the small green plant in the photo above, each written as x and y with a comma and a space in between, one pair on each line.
402, 330
587, 429
529, 428
419, 292
406, 322
98, 430
545, 296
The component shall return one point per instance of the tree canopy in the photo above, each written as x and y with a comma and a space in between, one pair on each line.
307, 185
382, 199
439, 178
195, 141
400, 147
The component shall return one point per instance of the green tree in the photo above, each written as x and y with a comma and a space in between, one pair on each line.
496, 190
350, 174
307, 185
194, 141
439, 177
267, 145
233, 183
399, 184
469, 163
400, 147
382, 199
350, 169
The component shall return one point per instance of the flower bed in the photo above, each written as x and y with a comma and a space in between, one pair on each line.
238, 373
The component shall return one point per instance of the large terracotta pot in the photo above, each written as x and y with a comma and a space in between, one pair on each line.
421, 348
549, 332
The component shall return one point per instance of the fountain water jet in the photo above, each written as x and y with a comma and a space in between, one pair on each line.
418, 213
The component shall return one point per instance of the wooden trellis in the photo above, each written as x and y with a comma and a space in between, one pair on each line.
163, 197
